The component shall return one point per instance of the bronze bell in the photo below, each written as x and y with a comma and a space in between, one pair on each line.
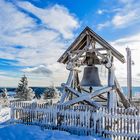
90, 77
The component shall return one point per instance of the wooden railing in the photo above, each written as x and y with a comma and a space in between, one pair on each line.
82, 120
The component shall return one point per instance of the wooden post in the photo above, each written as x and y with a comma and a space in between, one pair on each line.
129, 74
112, 99
12, 112
69, 82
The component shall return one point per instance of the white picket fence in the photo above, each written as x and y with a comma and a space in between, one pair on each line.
82, 120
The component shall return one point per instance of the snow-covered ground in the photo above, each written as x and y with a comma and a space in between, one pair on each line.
26, 132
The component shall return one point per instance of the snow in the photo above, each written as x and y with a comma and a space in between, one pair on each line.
24, 132
27, 132
4, 114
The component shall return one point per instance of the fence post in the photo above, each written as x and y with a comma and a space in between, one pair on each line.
12, 113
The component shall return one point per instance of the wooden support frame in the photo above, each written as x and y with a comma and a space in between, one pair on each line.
78, 55
86, 97
83, 50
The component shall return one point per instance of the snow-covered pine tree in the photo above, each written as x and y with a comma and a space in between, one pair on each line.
49, 93
23, 91
4, 99
4, 93
57, 93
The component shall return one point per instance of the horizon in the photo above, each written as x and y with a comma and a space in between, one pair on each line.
35, 33
57, 86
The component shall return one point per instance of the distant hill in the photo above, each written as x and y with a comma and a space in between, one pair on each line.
40, 90
37, 90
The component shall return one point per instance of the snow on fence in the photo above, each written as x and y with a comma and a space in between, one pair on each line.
82, 120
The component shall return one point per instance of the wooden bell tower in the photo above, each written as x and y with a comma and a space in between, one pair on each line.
89, 50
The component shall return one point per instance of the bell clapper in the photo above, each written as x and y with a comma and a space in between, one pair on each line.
90, 89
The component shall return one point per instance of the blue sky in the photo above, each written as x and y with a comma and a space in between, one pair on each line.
34, 34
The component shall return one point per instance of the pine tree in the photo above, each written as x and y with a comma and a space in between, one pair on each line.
4, 93
4, 99
23, 91
49, 93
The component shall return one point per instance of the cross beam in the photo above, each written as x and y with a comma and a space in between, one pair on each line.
84, 97
78, 94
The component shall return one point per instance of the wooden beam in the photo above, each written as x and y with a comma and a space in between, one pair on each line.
78, 94
72, 46
69, 82
77, 100
106, 45
88, 32
86, 97
112, 100
100, 91
123, 99
83, 50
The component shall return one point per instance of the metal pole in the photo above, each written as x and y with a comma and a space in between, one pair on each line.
129, 74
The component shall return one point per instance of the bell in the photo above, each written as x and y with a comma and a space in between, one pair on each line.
90, 77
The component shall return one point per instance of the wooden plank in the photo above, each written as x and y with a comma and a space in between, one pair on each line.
124, 100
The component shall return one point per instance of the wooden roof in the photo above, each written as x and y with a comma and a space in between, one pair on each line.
81, 41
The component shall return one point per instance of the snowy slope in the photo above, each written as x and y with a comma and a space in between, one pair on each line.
24, 132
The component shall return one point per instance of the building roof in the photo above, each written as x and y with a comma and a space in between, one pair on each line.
81, 41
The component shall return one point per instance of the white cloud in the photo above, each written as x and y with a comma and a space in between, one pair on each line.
42, 69
125, 16
106, 11
126, 1
56, 17
100, 11
42, 43
8, 81
124, 19
12, 23
103, 25
133, 42
2, 72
